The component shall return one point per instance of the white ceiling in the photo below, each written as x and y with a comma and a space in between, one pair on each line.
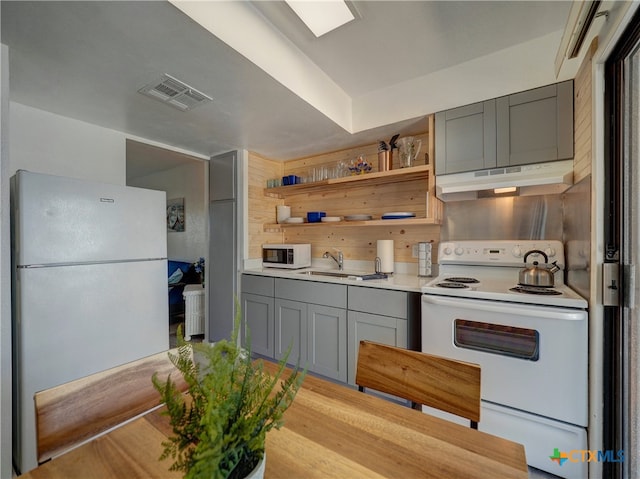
288, 94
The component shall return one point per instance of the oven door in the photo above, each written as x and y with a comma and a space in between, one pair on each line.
533, 358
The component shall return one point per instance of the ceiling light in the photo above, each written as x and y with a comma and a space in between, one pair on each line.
509, 189
322, 16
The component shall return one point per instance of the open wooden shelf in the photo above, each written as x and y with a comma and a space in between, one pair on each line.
367, 179
275, 227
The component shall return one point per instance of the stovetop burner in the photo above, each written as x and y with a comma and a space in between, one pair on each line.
535, 290
451, 285
488, 270
462, 279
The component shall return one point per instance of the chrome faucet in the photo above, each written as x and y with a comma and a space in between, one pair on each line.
339, 259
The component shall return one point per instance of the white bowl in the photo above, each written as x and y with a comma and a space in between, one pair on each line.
330, 219
295, 219
358, 217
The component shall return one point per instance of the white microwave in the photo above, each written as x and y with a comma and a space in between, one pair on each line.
290, 256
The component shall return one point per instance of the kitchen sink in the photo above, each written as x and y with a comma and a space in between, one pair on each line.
335, 274
344, 274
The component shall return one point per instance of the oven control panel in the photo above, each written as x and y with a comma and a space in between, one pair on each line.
500, 252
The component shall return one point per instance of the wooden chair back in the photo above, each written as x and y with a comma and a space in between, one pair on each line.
445, 384
69, 414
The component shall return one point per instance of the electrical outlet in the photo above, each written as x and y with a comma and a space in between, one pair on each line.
414, 251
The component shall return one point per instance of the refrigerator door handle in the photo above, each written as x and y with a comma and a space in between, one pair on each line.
87, 263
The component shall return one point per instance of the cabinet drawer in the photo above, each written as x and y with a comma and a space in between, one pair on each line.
255, 284
378, 301
312, 292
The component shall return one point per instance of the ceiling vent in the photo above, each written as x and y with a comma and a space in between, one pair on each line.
173, 92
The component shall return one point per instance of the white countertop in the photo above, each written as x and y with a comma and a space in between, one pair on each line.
401, 282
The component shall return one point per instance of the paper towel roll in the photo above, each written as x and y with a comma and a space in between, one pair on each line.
385, 253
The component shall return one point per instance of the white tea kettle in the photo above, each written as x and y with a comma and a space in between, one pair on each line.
537, 275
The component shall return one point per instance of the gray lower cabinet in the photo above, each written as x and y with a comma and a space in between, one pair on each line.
310, 317
375, 315
533, 126
327, 341
315, 329
323, 323
258, 314
372, 327
259, 323
291, 330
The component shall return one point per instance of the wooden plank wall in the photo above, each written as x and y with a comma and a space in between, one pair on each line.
302, 166
356, 199
262, 209
583, 117
359, 243
356, 243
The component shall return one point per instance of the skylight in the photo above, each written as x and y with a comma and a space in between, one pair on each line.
322, 16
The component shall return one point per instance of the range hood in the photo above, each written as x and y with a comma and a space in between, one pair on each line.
524, 180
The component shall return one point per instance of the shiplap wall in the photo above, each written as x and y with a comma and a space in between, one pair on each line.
262, 209
583, 114
302, 166
356, 243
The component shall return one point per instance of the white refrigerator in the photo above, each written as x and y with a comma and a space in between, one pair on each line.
89, 286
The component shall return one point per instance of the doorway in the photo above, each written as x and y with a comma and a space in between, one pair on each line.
184, 178
622, 237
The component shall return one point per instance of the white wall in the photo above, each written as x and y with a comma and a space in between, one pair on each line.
47, 143
188, 182
5, 273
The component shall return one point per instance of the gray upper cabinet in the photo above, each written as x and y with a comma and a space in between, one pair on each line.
533, 126
466, 138
222, 176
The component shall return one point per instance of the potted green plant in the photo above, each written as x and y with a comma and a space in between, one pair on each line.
220, 424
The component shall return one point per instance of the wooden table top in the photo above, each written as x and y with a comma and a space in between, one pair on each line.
330, 431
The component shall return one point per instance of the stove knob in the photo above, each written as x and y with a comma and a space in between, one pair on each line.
516, 251
550, 252
447, 250
459, 251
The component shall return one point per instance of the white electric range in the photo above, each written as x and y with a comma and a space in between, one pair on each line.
531, 343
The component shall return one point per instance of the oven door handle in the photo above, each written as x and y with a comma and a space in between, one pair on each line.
508, 308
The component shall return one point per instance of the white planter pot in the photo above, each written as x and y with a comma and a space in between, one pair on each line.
258, 471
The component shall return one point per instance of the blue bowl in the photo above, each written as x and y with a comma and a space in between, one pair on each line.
315, 216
